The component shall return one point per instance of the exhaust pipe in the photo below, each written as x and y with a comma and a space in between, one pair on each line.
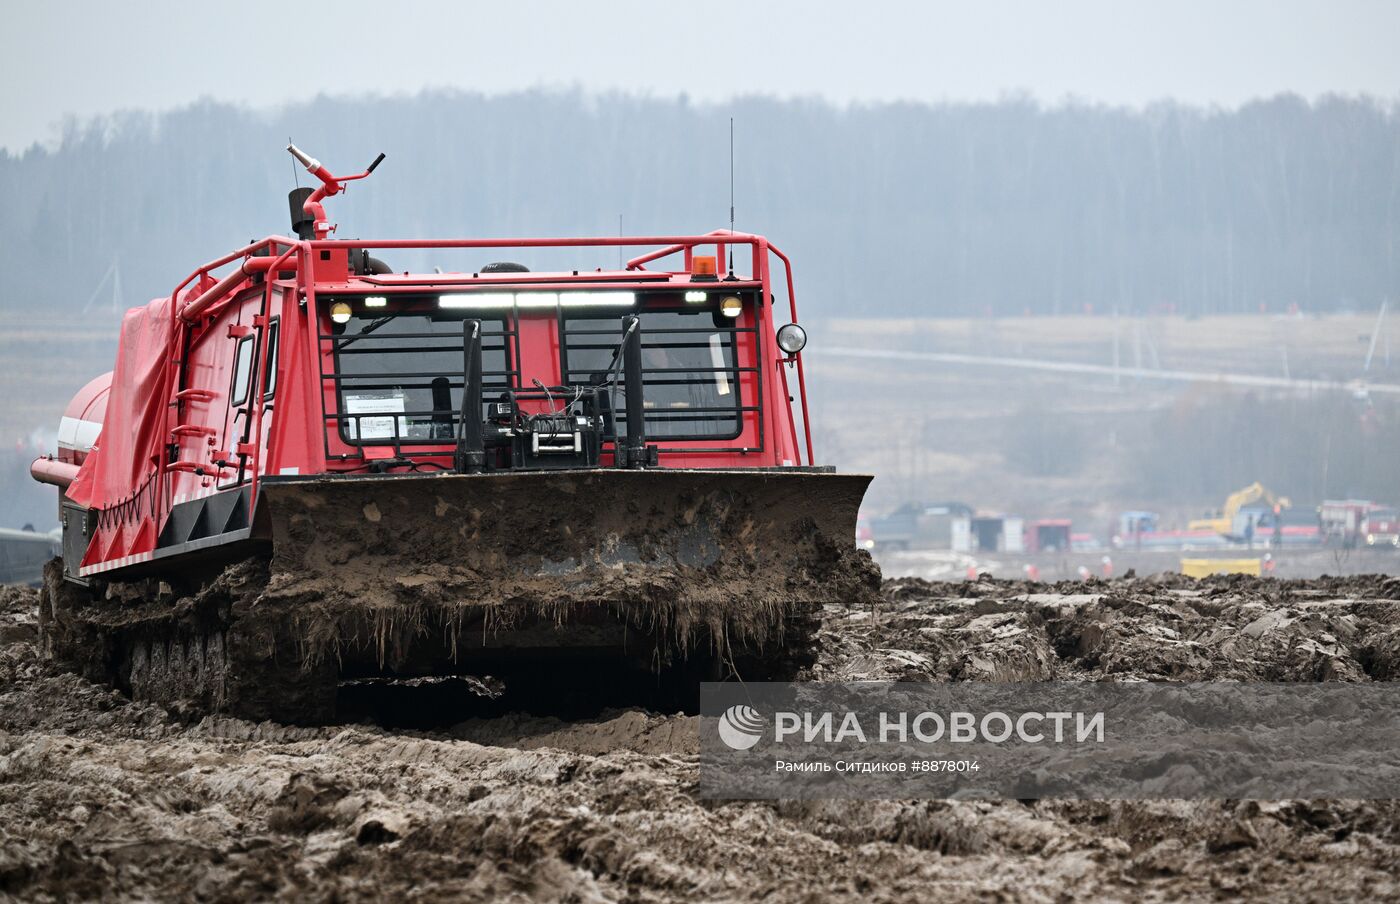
303, 223
53, 472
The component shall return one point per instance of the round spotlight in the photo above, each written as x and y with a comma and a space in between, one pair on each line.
730, 306
340, 312
792, 338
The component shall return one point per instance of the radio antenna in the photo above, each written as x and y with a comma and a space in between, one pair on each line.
295, 178
731, 193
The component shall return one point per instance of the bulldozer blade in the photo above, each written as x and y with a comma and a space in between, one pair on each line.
655, 561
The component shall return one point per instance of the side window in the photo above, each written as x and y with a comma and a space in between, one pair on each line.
269, 380
242, 371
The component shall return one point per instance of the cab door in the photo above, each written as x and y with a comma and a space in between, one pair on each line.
246, 334
270, 357
209, 451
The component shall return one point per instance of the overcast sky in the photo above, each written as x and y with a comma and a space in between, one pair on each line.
86, 58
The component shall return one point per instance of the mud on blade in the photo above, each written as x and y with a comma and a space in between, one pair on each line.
652, 564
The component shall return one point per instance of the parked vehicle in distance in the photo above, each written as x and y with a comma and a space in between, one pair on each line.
915, 526
1352, 522
1382, 527
1048, 535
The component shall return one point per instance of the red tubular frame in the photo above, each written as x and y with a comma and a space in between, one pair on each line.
760, 245
801, 377
255, 460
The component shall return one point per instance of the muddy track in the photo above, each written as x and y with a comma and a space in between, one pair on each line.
213, 649
245, 644
101, 796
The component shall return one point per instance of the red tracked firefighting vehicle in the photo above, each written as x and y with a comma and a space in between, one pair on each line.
308, 467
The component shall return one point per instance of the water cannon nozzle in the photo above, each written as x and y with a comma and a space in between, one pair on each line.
311, 163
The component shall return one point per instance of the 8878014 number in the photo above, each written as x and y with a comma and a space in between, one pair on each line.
944, 766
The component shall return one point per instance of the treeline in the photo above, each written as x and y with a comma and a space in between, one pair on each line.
896, 209
1209, 442
1309, 448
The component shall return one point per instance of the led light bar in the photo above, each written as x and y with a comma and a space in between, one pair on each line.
696, 296
597, 299
478, 300
538, 300
375, 301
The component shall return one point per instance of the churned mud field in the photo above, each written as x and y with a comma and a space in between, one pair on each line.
101, 797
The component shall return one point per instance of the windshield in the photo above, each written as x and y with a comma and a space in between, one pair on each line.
690, 375
399, 376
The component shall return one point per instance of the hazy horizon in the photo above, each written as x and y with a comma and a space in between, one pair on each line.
1090, 51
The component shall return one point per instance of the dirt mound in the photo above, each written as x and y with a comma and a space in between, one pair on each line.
104, 798
1164, 628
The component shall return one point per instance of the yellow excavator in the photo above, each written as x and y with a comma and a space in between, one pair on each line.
1224, 523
